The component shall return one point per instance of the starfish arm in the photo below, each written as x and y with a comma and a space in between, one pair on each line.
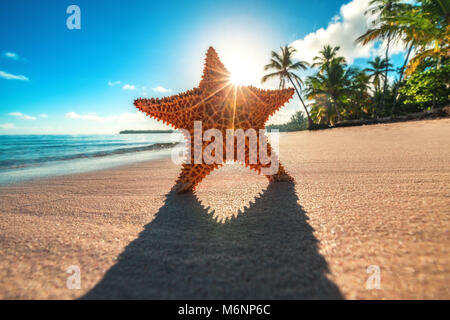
215, 75
269, 165
270, 101
279, 175
174, 110
191, 175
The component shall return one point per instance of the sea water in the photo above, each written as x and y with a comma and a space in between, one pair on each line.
24, 157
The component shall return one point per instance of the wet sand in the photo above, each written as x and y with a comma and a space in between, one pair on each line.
375, 195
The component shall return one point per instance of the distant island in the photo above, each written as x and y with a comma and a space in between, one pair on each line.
145, 131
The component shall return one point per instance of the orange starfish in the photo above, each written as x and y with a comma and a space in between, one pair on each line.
219, 104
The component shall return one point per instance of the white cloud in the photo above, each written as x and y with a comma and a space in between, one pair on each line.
128, 117
43, 115
92, 116
160, 89
9, 76
11, 55
7, 126
124, 117
129, 87
336, 18
112, 84
342, 31
72, 115
22, 116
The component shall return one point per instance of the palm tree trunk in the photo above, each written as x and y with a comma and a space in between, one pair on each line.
304, 106
439, 62
375, 94
400, 78
377, 111
303, 103
386, 69
328, 112
337, 109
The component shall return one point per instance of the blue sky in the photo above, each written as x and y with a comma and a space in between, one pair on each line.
54, 80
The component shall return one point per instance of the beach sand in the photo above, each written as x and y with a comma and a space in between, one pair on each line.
375, 195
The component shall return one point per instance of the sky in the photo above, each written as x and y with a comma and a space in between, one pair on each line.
56, 80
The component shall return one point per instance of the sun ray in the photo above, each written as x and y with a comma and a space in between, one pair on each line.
253, 94
198, 103
234, 106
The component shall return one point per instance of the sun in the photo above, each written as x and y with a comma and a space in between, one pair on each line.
242, 73
238, 78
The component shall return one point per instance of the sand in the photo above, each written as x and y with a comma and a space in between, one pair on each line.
364, 196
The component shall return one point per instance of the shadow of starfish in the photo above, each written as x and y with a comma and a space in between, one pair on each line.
267, 252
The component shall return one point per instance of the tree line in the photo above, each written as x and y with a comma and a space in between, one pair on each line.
338, 91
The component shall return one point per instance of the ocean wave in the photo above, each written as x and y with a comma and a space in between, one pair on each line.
21, 163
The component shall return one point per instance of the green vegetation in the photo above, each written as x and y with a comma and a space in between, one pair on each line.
298, 122
145, 131
339, 92
427, 88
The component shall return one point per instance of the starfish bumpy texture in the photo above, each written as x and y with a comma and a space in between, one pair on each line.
218, 104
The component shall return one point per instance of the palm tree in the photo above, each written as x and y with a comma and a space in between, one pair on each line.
359, 97
400, 77
376, 73
322, 111
422, 26
429, 25
333, 82
384, 8
327, 54
285, 67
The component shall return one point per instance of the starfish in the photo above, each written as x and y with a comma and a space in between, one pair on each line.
221, 105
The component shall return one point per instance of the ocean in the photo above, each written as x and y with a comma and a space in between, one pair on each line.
24, 157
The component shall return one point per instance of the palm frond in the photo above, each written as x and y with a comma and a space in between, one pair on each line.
299, 65
270, 76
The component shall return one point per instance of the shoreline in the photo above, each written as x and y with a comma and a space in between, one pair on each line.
79, 165
434, 114
353, 205
438, 114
